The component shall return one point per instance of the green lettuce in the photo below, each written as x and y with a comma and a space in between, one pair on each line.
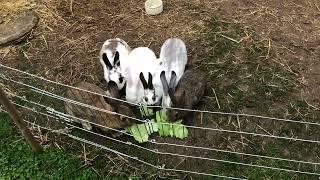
141, 132
165, 128
146, 112
175, 129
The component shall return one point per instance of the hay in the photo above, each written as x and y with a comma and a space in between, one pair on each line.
9, 9
6, 90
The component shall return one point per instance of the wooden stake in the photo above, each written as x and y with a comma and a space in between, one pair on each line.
15, 116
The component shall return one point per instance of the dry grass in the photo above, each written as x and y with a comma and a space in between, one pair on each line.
71, 31
9, 9
274, 34
8, 91
69, 36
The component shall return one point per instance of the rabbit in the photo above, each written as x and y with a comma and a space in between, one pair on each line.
142, 66
173, 56
102, 118
119, 106
113, 53
186, 95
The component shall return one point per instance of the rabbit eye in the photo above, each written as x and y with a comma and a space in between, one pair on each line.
118, 63
146, 99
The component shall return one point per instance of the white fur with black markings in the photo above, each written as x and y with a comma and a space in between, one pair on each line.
143, 84
173, 56
113, 53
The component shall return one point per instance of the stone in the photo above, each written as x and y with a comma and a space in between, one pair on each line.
18, 28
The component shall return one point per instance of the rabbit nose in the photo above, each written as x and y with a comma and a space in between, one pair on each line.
121, 79
153, 98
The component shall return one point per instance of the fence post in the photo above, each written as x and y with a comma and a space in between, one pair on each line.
16, 117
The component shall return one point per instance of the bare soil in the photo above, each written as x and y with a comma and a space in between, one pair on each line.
268, 37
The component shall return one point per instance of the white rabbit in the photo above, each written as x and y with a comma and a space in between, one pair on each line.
143, 84
113, 53
173, 56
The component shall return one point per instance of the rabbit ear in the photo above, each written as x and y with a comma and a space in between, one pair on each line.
143, 80
164, 83
150, 84
173, 81
116, 58
172, 97
106, 60
172, 87
174, 50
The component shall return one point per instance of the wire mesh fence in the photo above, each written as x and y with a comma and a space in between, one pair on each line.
216, 144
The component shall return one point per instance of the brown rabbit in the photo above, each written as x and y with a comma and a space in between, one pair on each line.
102, 118
119, 107
186, 95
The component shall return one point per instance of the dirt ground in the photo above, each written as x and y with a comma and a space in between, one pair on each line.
71, 33
65, 47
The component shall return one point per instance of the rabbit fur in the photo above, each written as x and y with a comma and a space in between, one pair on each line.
95, 116
113, 53
173, 56
141, 73
186, 95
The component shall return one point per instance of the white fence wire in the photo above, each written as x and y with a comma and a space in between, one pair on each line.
46, 110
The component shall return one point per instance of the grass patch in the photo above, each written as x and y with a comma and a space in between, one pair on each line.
243, 77
19, 162
260, 173
240, 72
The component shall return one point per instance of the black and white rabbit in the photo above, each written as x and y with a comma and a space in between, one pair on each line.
141, 73
113, 53
173, 56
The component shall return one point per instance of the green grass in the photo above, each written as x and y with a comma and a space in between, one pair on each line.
260, 173
244, 78
241, 69
17, 161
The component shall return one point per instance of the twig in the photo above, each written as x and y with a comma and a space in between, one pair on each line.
57, 145
264, 130
71, 9
215, 95
6, 53
25, 55
229, 38
45, 41
123, 158
180, 163
241, 137
317, 6
310, 105
84, 153
269, 47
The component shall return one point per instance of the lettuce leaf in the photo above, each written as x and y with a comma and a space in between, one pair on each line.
141, 132
166, 128
146, 112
